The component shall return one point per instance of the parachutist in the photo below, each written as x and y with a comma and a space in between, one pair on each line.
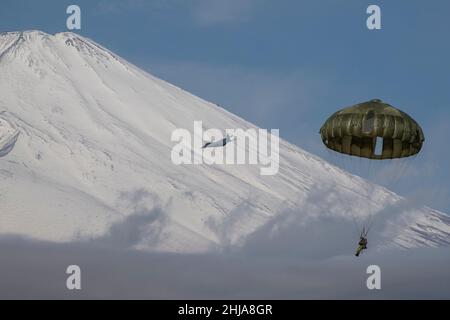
362, 245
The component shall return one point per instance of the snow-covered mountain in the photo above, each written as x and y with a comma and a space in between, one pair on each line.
85, 147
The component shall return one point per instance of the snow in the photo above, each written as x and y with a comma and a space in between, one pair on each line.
85, 143
8, 136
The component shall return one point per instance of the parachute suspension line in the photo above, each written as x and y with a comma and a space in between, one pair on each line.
396, 167
361, 167
362, 221
343, 161
368, 221
364, 232
368, 206
402, 167
340, 161
369, 226
411, 161
335, 158
395, 170
371, 172
357, 227
366, 174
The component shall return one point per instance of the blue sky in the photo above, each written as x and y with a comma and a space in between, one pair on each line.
284, 64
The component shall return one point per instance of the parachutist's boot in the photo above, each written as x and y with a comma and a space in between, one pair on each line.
358, 251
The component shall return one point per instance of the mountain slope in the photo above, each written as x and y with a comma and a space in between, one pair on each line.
85, 147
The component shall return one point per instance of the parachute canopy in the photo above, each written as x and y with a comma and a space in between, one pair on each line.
357, 130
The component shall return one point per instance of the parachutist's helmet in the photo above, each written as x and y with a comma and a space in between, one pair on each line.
357, 129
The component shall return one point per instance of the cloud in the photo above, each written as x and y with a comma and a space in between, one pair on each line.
119, 7
142, 226
225, 227
208, 12
116, 7
203, 12
136, 228
37, 270
293, 256
315, 231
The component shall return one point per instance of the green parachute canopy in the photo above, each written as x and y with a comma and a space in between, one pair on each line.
357, 130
